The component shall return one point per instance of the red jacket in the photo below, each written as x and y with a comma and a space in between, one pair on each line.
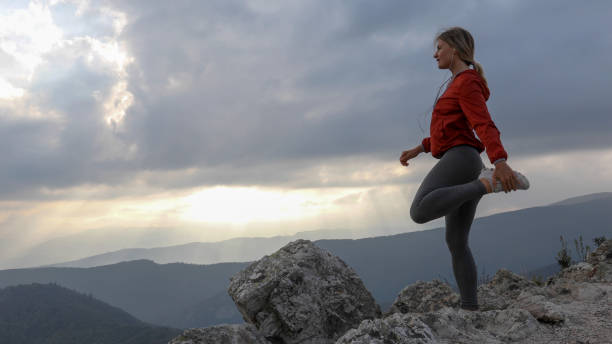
458, 113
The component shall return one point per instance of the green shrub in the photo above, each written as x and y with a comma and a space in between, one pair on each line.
563, 257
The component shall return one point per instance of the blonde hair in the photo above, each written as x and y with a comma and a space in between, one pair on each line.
463, 42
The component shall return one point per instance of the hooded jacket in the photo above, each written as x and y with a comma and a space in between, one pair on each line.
459, 112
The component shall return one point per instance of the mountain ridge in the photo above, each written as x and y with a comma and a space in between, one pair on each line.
199, 250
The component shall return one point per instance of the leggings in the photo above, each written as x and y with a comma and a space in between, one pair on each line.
452, 189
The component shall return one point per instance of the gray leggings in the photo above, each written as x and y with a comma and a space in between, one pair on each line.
452, 189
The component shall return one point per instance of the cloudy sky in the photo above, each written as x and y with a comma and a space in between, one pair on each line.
257, 117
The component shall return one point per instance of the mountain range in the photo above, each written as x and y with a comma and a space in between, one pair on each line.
101, 246
525, 241
249, 249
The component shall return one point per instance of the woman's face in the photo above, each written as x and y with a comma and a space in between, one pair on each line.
443, 54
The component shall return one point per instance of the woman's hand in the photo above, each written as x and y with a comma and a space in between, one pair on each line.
409, 154
504, 174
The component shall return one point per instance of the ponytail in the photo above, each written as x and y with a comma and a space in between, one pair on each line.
480, 70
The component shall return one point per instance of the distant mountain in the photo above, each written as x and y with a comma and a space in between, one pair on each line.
250, 249
73, 248
584, 198
84, 244
183, 295
232, 250
158, 294
49, 314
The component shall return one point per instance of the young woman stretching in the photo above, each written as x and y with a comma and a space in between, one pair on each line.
456, 183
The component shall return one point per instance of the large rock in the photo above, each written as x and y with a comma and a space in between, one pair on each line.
302, 294
222, 334
424, 297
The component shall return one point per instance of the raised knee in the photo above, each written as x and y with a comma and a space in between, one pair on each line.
417, 217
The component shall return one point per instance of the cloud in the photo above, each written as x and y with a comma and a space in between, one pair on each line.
261, 87
154, 94
55, 133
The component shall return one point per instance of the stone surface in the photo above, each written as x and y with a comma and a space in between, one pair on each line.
503, 288
541, 309
222, 334
446, 325
496, 326
586, 309
397, 328
424, 297
302, 294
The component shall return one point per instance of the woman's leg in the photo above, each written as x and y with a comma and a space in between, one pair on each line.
452, 189
450, 183
458, 223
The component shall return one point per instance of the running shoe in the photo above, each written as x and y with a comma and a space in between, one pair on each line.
523, 183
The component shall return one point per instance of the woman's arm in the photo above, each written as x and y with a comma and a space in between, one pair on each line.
410, 154
473, 105
504, 174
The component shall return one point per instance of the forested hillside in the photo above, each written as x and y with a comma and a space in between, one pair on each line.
51, 314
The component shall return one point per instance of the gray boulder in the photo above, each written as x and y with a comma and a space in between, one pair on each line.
222, 334
424, 297
302, 294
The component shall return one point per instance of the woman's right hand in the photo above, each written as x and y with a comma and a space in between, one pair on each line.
409, 154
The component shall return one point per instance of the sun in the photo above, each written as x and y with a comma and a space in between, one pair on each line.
243, 205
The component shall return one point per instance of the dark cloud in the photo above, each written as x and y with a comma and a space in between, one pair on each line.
56, 136
248, 95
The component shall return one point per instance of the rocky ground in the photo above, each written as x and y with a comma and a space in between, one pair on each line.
303, 294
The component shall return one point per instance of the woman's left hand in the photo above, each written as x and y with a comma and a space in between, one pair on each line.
506, 176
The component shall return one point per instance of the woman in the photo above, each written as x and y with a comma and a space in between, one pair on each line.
457, 182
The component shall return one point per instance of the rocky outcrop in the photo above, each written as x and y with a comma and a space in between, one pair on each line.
303, 294
597, 268
222, 334
446, 325
502, 290
396, 328
422, 297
